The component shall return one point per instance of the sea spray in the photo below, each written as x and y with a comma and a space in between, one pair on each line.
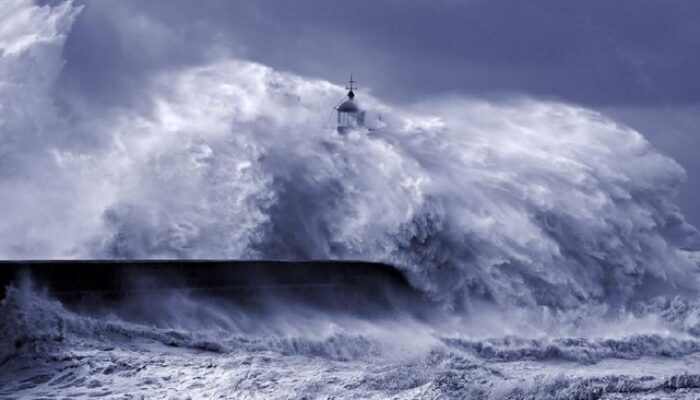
521, 203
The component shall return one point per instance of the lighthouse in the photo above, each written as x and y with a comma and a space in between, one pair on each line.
350, 116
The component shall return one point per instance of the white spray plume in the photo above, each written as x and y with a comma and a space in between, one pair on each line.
523, 202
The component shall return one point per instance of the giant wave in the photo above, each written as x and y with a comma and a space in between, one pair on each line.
519, 202
546, 232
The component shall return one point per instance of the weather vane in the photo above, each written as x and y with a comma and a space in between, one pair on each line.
351, 82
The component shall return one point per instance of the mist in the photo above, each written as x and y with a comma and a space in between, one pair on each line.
232, 160
523, 221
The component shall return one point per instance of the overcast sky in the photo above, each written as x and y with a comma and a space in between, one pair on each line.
637, 61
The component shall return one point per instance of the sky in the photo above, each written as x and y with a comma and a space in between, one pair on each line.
635, 61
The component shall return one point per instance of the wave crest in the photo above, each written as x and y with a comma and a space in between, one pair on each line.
523, 202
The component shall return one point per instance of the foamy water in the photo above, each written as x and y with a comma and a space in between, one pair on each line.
545, 234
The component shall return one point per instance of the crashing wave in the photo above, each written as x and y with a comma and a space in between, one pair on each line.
48, 349
553, 226
526, 203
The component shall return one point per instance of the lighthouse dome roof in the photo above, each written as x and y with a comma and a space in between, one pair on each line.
348, 106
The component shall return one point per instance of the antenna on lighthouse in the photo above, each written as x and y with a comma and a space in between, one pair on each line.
352, 87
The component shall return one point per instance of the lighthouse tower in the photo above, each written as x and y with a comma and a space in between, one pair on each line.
350, 116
